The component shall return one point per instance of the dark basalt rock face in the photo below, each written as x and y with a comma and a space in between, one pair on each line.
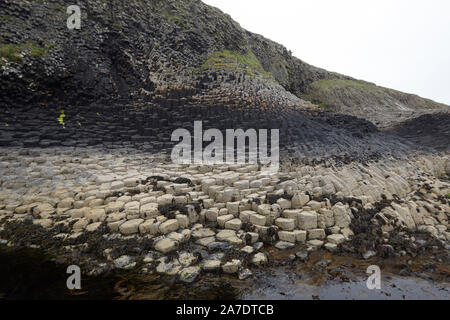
123, 48
132, 48
430, 129
137, 70
304, 134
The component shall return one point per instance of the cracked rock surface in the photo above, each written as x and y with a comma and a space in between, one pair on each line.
134, 209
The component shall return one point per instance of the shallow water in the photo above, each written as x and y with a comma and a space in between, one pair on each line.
280, 286
29, 274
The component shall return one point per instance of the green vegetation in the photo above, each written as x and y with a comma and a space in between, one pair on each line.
5, 19
340, 83
169, 14
11, 52
333, 94
349, 94
37, 51
58, 7
325, 105
317, 101
155, 4
233, 61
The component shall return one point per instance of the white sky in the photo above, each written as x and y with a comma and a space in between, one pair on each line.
399, 44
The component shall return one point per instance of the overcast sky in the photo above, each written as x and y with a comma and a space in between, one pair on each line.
399, 44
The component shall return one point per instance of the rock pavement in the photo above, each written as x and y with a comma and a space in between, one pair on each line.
204, 215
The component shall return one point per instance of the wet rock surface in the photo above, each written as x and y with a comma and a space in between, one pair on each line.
322, 276
130, 211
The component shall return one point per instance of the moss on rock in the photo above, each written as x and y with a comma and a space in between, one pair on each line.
13, 52
234, 62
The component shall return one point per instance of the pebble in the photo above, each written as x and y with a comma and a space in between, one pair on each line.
190, 274
283, 245
369, 254
259, 259
232, 266
123, 262
244, 274
166, 245
211, 265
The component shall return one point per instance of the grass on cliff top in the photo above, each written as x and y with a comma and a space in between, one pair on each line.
232, 61
341, 83
334, 92
11, 52
171, 11
322, 92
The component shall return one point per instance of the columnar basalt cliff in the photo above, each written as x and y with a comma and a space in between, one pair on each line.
135, 48
86, 118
